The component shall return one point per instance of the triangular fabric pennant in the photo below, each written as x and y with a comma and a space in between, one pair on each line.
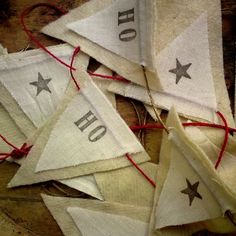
174, 18
217, 225
126, 68
193, 181
105, 224
86, 184
58, 207
123, 28
78, 148
184, 192
184, 66
85, 130
33, 84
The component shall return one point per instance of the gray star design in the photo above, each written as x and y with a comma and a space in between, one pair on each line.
191, 191
180, 71
41, 84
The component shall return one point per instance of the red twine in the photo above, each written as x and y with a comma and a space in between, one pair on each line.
76, 51
141, 171
118, 78
198, 124
16, 153
26, 12
225, 139
71, 68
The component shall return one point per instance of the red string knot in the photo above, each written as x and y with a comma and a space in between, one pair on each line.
20, 152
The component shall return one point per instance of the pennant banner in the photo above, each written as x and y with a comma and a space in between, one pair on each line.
192, 185
86, 135
33, 84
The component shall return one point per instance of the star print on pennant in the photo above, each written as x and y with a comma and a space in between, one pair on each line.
181, 71
191, 191
41, 84
187, 178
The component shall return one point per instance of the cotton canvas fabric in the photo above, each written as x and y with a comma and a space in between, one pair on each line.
127, 185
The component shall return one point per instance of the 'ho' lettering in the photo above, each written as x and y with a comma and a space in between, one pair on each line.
126, 17
127, 35
84, 122
97, 133
87, 120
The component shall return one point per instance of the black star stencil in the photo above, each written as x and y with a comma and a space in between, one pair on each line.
191, 191
180, 71
41, 84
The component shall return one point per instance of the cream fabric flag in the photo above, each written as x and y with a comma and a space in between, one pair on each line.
104, 224
124, 67
33, 84
58, 207
192, 186
86, 184
124, 28
175, 16
188, 86
127, 185
219, 225
85, 130
76, 139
